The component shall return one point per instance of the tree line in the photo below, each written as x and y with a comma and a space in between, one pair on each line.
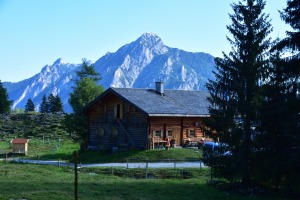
255, 100
50, 104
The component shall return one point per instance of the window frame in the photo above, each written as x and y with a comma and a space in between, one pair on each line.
194, 134
100, 132
155, 133
168, 133
114, 132
118, 111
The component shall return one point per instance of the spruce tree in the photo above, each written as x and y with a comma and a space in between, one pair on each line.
280, 119
4, 102
29, 106
51, 103
44, 105
235, 95
58, 106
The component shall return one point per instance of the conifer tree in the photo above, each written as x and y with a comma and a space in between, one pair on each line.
29, 105
86, 88
58, 106
4, 102
235, 95
280, 118
84, 91
87, 71
44, 105
51, 103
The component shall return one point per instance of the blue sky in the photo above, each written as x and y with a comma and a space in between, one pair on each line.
35, 33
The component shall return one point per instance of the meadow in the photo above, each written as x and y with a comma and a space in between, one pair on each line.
48, 141
43, 182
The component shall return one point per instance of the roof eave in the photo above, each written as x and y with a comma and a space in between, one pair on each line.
177, 115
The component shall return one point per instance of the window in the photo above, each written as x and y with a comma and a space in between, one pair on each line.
157, 133
192, 133
118, 111
169, 133
114, 132
100, 132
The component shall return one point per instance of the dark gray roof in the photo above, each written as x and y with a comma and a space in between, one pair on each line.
171, 103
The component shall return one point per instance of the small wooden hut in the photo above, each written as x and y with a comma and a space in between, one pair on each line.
20, 145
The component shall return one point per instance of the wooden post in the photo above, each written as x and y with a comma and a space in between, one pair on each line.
174, 164
146, 169
75, 154
200, 164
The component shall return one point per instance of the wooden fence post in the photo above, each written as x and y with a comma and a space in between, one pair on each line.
75, 154
200, 164
174, 164
146, 169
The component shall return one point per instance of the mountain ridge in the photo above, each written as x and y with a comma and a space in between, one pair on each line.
135, 65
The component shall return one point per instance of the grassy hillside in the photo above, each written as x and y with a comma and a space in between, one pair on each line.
140, 155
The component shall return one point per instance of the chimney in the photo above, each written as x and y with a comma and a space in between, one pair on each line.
160, 87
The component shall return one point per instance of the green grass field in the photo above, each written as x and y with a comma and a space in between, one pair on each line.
138, 155
26, 181
40, 182
54, 149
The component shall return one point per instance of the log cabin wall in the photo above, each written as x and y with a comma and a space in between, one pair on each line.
181, 129
191, 130
114, 123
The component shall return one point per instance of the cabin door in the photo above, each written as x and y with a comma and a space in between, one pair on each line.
177, 134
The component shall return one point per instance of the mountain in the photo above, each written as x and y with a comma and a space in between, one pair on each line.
138, 65
55, 78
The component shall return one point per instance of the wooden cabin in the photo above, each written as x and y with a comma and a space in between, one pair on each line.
125, 118
20, 145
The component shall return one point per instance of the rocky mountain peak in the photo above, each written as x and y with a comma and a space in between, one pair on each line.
137, 64
59, 61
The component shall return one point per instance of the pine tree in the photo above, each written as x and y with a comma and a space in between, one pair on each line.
44, 106
235, 93
87, 71
4, 102
29, 106
86, 88
280, 119
51, 103
58, 106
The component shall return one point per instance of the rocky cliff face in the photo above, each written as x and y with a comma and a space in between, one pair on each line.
138, 65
